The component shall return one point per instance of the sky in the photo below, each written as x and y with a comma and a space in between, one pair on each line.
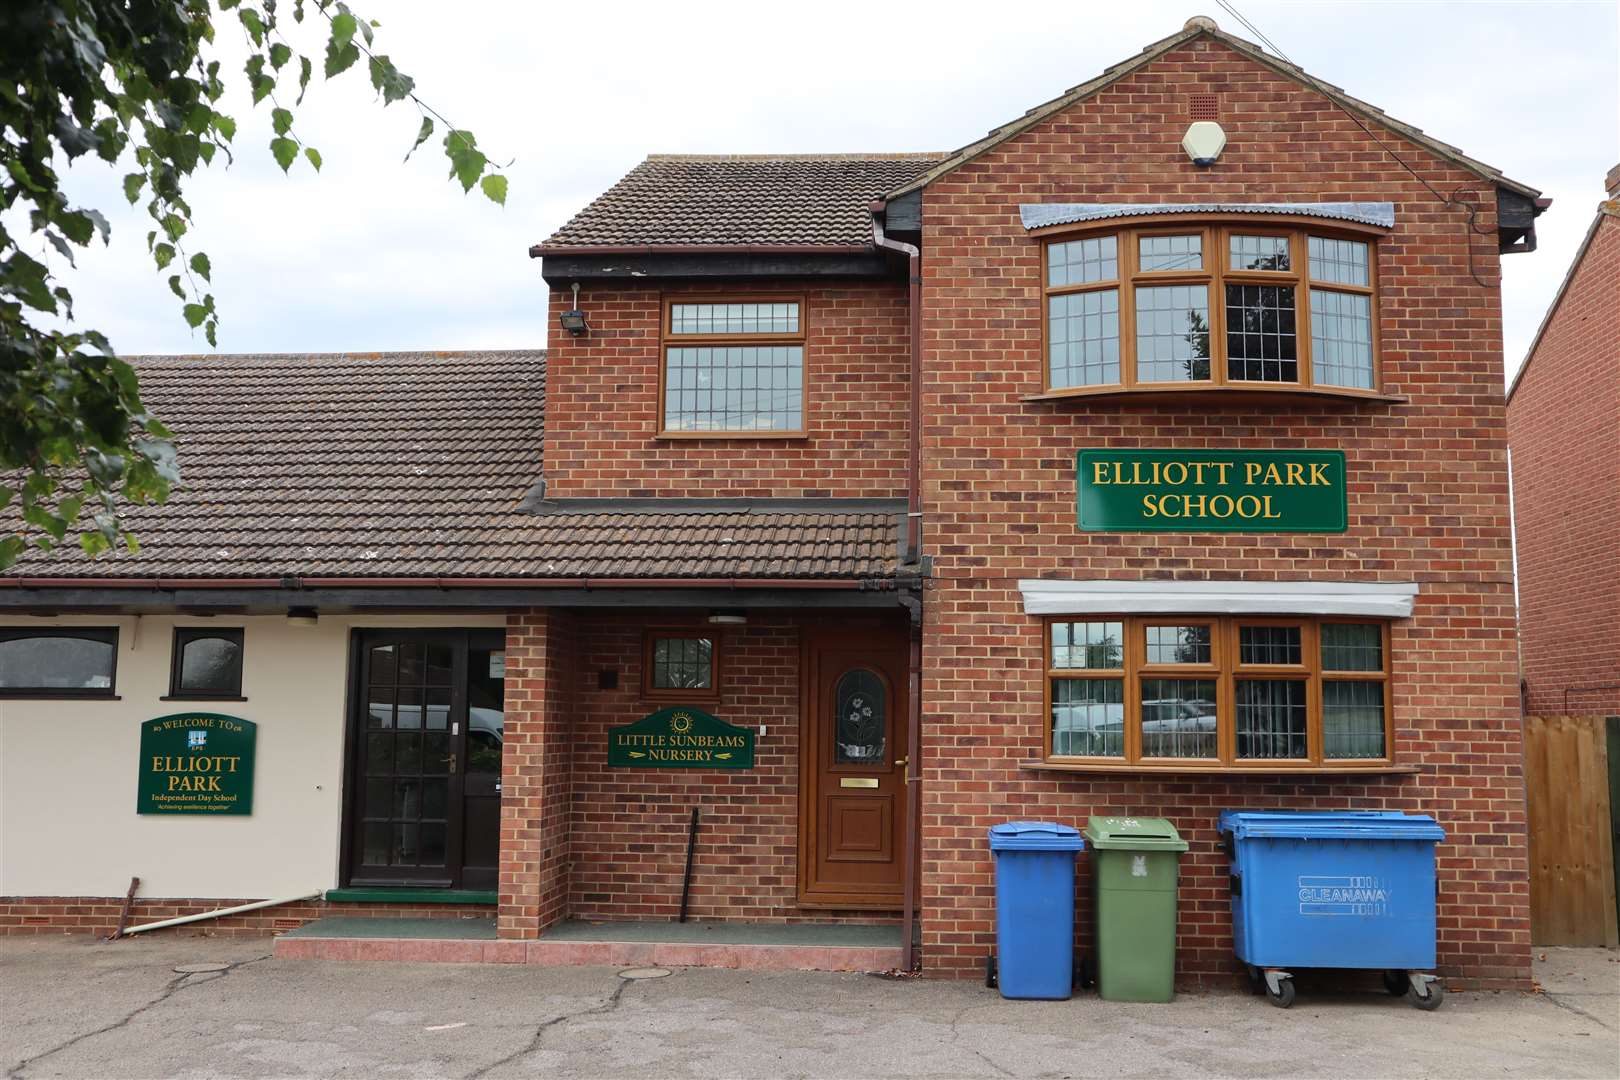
375, 254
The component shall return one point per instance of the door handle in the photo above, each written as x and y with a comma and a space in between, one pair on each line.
452, 762
905, 766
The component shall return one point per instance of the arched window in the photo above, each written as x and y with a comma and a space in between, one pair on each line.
862, 706
207, 663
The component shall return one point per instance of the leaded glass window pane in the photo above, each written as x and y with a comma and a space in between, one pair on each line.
682, 663
1080, 261
1178, 718
1170, 252
1352, 647
1172, 333
1259, 252
1094, 646
1343, 262
1083, 338
1269, 645
1178, 645
1341, 338
1270, 718
1260, 341
734, 388
863, 722
1088, 717
764, 318
1352, 719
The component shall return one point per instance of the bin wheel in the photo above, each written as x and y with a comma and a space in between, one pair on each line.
1087, 972
1284, 996
1429, 1001
1257, 981
990, 978
1397, 983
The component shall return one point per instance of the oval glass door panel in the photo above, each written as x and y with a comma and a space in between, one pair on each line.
860, 703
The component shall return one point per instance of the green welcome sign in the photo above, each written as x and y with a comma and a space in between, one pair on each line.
1205, 491
196, 763
681, 737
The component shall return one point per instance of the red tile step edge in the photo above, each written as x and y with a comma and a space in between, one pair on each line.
604, 953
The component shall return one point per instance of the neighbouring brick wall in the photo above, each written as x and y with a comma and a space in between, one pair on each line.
1427, 491
1564, 429
630, 826
98, 915
602, 402
536, 771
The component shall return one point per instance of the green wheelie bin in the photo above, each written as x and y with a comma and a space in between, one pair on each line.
1134, 864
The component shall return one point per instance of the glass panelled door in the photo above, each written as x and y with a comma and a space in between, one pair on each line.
426, 759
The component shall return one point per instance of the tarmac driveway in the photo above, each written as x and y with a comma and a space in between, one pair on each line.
71, 1007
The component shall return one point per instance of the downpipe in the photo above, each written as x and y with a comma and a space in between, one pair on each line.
220, 913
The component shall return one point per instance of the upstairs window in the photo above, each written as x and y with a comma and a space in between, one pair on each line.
733, 368
1238, 306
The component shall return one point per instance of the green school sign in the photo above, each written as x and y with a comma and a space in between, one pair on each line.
681, 738
1208, 491
196, 763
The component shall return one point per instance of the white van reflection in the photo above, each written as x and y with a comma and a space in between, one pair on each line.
486, 728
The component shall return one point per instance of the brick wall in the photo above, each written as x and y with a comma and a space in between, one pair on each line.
630, 825
1427, 490
602, 403
1564, 428
98, 915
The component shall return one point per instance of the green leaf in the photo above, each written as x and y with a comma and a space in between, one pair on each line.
279, 55
344, 26
421, 136
195, 314
389, 81
261, 83
254, 24
494, 186
133, 182
164, 255
174, 286
200, 265
466, 162
304, 69
225, 125
340, 59
314, 157
281, 120
285, 150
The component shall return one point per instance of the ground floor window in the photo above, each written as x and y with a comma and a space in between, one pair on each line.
1218, 690
58, 661
680, 665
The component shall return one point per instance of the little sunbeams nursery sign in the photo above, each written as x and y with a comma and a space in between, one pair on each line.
196, 763
681, 737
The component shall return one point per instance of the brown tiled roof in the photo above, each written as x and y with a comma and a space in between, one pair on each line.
678, 199
413, 465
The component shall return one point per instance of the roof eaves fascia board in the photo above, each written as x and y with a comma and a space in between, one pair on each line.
536, 503
1249, 49
1558, 297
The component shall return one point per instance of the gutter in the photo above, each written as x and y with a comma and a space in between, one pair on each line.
434, 583
913, 553
540, 251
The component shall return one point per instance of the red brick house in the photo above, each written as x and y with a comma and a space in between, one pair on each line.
1563, 414
1074, 472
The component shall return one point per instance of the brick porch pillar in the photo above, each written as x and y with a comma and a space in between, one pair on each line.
535, 773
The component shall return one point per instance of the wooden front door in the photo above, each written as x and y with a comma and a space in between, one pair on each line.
427, 732
853, 740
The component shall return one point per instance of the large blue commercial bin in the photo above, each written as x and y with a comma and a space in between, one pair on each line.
1340, 889
1034, 909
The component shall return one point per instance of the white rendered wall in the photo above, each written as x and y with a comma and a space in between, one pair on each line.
68, 768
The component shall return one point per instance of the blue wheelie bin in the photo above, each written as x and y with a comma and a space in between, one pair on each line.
1340, 889
1034, 955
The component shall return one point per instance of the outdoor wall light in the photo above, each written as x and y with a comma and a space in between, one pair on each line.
302, 616
573, 320
1204, 142
728, 617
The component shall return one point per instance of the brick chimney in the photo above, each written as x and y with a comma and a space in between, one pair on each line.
1611, 183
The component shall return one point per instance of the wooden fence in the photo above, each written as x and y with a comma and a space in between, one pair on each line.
1568, 777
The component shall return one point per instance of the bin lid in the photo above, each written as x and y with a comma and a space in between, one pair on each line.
1134, 834
1330, 825
1035, 836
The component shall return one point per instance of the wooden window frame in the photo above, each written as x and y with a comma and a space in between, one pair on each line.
107, 634
1216, 273
667, 338
184, 635
1226, 669
650, 637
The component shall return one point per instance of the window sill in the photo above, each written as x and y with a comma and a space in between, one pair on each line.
1369, 768
64, 695
200, 697
1227, 394
728, 436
